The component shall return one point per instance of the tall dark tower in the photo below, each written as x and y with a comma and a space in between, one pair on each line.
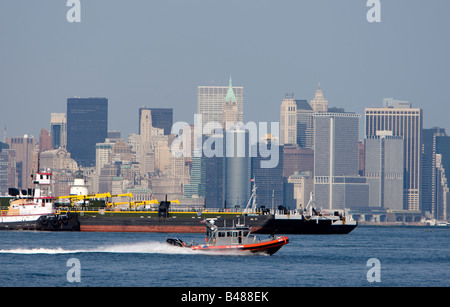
87, 124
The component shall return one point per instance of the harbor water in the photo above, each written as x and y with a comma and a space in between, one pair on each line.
404, 256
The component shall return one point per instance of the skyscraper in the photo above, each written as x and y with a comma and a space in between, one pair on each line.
305, 124
58, 130
87, 125
210, 101
442, 178
45, 140
230, 108
162, 118
336, 183
269, 181
24, 147
429, 169
384, 170
146, 150
398, 116
288, 121
319, 103
238, 168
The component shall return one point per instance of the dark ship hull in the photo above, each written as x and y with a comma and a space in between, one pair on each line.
52, 222
184, 223
301, 225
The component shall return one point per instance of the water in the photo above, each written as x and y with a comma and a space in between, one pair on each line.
409, 256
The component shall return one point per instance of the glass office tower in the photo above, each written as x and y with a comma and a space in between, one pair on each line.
87, 125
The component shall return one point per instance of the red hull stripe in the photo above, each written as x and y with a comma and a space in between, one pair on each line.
248, 247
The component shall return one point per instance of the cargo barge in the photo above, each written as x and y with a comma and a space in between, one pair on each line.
165, 221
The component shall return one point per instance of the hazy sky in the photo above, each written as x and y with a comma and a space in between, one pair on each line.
155, 53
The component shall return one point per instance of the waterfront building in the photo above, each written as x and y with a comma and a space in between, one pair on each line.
303, 185
87, 125
442, 192
336, 181
384, 170
404, 121
429, 181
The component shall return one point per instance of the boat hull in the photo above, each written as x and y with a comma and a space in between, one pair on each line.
295, 225
266, 247
146, 223
181, 223
49, 222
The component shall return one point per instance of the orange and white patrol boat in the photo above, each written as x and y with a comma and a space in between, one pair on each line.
233, 239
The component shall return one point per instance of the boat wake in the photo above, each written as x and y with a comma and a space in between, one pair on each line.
150, 247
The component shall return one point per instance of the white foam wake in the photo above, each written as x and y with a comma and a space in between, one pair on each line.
151, 247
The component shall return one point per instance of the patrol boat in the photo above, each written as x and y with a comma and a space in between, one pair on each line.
233, 239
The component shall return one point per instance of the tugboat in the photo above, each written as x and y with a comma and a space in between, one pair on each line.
35, 210
232, 239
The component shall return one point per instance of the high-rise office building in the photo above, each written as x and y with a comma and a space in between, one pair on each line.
319, 103
87, 125
8, 177
25, 166
429, 169
238, 168
288, 121
162, 118
442, 211
230, 109
384, 170
398, 116
336, 181
215, 175
297, 159
269, 181
146, 151
210, 101
58, 130
45, 140
305, 124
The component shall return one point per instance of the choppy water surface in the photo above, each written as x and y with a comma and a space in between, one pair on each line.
408, 256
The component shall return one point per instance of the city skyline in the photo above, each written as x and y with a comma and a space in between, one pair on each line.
47, 59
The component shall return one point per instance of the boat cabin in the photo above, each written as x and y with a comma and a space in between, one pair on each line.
239, 234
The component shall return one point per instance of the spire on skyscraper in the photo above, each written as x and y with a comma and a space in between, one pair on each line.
230, 94
319, 103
